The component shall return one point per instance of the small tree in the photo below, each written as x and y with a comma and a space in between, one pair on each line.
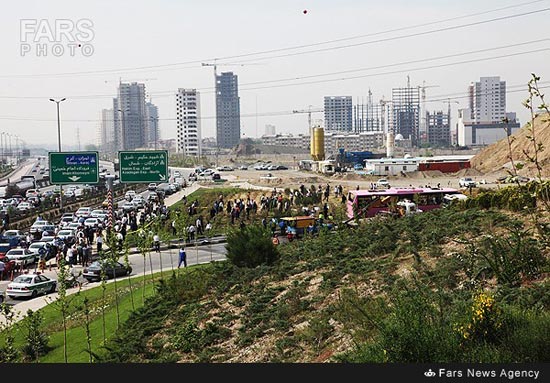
9, 352
37, 340
251, 247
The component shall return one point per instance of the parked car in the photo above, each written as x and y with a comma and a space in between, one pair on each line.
92, 222
216, 176
95, 213
22, 255
139, 202
2, 296
30, 285
129, 195
66, 235
382, 183
14, 235
38, 226
84, 211
24, 206
36, 247
243, 167
128, 207
466, 182
112, 269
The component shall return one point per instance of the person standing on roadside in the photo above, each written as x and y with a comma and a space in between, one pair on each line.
183, 257
99, 242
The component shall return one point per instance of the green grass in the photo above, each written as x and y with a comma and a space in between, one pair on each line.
76, 334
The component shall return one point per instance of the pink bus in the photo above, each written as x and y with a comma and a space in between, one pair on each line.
368, 203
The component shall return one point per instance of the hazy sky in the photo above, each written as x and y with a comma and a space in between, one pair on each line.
359, 45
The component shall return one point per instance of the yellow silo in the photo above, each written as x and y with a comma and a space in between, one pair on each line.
318, 144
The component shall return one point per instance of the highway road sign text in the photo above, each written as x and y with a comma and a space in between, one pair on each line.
74, 167
143, 166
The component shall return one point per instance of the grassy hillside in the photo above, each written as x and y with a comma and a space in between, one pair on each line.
462, 284
447, 286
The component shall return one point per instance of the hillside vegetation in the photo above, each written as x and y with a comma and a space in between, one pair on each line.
495, 156
453, 285
468, 283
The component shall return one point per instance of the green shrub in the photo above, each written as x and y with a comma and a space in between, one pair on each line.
251, 246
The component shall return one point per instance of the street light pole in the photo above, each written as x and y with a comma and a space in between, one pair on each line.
11, 152
2, 146
59, 147
58, 122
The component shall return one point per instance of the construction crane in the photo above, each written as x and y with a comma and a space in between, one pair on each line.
423, 126
130, 80
309, 111
215, 65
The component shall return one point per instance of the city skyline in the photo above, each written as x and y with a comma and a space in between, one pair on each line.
346, 49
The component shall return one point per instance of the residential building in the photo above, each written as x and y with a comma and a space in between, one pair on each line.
132, 122
188, 122
228, 115
439, 130
486, 121
338, 114
481, 134
269, 130
406, 113
107, 131
152, 134
487, 99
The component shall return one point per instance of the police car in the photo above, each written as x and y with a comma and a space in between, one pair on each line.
30, 285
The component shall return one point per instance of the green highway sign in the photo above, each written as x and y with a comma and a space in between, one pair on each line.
143, 166
74, 167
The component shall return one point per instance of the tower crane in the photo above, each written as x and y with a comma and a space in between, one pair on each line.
309, 111
423, 126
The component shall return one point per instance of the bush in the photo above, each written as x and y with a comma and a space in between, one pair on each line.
251, 246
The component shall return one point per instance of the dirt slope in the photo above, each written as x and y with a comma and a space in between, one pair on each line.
495, 157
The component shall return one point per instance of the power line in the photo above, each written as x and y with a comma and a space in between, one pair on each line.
266, 114
258, 53
242, 86
402, 71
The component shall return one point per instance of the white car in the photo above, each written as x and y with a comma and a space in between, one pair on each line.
91, 222
36, 246
38, 226
65, 234
382, 183
21, 255
83, 212
30, 285
129, 195
97, 212
466, 182
72, 226
24, 206
128, 206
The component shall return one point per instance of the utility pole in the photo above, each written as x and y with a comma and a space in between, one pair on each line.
59, 147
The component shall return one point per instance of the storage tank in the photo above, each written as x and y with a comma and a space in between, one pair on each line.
318, 144
390, 144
